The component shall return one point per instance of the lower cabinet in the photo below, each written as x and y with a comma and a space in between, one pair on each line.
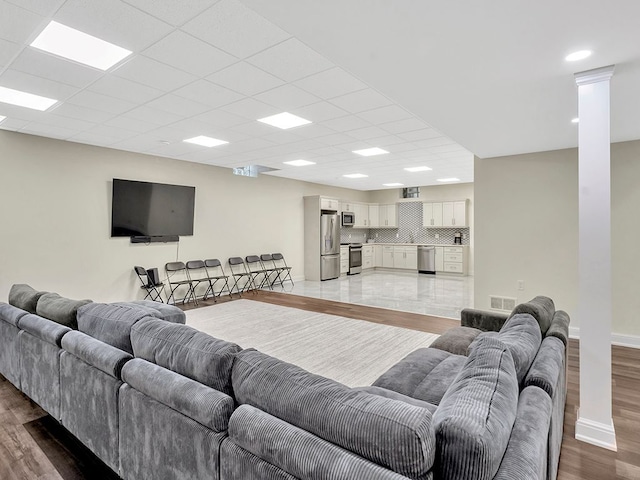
405, 257
377, 255
439, 259
344, 260
367, 257
455, 260
387, 256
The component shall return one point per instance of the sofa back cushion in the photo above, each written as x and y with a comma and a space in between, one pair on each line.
560, 326
59, 309
23, 296
541, 308
391, 433
168, 313
474, 420
110, 323
186, 351
548, 367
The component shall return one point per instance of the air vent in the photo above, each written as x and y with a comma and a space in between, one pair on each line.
252, 170
505, 304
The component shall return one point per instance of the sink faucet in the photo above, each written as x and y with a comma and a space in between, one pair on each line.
411, 239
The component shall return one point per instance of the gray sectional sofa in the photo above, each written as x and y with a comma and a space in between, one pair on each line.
155, 399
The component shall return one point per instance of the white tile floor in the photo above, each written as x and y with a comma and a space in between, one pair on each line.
439, 295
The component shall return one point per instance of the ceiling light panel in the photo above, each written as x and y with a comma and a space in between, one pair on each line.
393, 184
298, 163
284, 120
579, 55
205, 141
369, 152
356, 175
24, 99
418, 169
446, 180
78, 46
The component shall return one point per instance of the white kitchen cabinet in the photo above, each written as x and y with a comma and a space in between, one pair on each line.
377, 255
454, 214
455, 259
374, 216
405, 257
367, 257
432, 214
344, 259
388, 217
387, 256
361, 211
439, 259
346, 207
329, 204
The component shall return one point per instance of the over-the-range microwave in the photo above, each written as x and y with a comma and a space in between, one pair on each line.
348, 219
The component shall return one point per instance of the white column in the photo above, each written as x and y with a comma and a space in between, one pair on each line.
595, 423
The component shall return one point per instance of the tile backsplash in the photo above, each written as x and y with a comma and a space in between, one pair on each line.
410, 230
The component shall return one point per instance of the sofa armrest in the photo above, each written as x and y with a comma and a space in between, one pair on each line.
548, 367
98, 354
203, 404
482, 320
44, 329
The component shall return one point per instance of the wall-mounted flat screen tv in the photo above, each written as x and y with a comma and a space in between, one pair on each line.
145, 209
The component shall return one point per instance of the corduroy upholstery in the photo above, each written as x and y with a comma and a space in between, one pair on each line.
59, 309
560, 326
238, 464
24, 297
168, 313
456, 340
482, 320
541, 308
9, 345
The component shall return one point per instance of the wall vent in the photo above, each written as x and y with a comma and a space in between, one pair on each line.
505, 304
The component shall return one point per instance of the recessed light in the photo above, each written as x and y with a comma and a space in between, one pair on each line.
575, 120
453, 179
356, 175
24, 99
369, 152
205, 141
392, 184
417, 169
284, 120
300, 163
78, 46
579, 55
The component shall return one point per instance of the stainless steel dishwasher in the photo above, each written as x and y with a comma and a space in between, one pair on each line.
426, 259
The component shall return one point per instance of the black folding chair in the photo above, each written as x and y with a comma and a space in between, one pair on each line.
177, 277
152, 288
239, 273
197, 274
215, 274
285, 270
269, 266
257, 271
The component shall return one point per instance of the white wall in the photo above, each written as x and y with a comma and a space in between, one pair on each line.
527, 217
55, 212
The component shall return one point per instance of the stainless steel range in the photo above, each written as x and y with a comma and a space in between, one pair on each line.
355, 258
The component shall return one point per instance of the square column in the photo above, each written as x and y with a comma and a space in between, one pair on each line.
595, 423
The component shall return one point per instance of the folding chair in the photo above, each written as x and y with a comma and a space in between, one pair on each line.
197, 274
257, 271
215, 274
269, 266
177, 276
238, 271
279, 262
152, 288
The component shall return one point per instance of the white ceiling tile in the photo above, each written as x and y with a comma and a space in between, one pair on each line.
290, 60
171, 11
220, 118
128, 123
189, 54
422, 134
287, 97
325, 151
236, 29
452, 147
281, 137
110, 134
312, 130
66, 122
41, 7
389, 140
331, 83
319, 112
8, 50
178, 148
254, 129
207, 93
346, 123
336, 139
113, 21
368, 133
390, 113
174, 104
250, 109
19, 25
406, 125
433, 142
152, 115
92, 138
41, 64
194, 128
245, 78
13, 124
124, 89
172, 134
361, 100
139, 143
101, 102
249, 145
36, 85
44, 130
81, 113
144, 70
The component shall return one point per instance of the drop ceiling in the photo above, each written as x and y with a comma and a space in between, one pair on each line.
429, 81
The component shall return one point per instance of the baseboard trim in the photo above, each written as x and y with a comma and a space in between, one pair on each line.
618, 339
596, 433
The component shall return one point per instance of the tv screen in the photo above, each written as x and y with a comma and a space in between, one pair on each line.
151, 209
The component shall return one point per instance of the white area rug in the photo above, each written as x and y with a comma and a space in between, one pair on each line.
353, 352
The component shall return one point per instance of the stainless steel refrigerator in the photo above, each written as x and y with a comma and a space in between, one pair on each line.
329, 246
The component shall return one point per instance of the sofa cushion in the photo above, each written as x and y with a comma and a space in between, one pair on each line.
100, 355
47, 330
11, 314
168, 313
456, 340
383, 392
425, 374
23, 296
388, 432
560, 326
541, 308
110, 323
59, 309
474, 420
186, 351
548, 366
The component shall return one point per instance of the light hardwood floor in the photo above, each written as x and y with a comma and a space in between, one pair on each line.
33, 446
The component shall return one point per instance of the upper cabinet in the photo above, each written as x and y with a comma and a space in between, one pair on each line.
445, 214
361, 211
374, 216
388, 216
329, 204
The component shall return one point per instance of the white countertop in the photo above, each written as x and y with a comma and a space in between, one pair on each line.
418, 244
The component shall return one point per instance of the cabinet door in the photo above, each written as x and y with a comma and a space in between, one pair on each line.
392, 215
447, 214
460, 214
439, 259
374, 216
398, 257
427, 214
377, 255
361, 212
411, 258
387, 256
437, 214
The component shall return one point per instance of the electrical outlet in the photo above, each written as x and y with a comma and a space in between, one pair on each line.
349, 236
397, 235
376, 235
520, 285
437, 235
464, 235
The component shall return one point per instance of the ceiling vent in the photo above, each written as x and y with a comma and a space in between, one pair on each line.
252, 170
504, 304
411, 192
